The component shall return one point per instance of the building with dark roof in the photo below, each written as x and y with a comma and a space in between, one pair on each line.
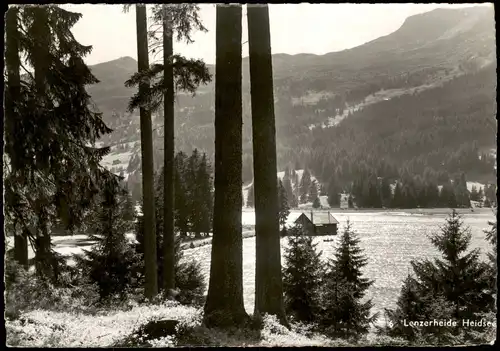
317, 223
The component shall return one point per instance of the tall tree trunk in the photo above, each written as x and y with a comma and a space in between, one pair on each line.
41, 64
13, 63
168, 163
224, 306
268, 283
151, 269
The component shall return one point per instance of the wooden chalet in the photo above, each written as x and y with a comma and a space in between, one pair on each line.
317, 223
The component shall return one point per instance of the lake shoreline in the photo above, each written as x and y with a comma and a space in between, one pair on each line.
390, 210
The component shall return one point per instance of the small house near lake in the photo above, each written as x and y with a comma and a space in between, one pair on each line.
317, 223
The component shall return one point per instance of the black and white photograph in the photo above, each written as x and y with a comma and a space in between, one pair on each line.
250, 175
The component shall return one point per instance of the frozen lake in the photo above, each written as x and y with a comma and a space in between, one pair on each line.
390, 239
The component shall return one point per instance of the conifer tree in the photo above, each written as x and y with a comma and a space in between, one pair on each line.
150, 235
461, 192
129, 208
456, 287
224, 305
409, 307
345, 314
12, 95
176, 73
375, 198
292, 200
268, 284
432, 193
447, 196
333, 192
386, 192
492, 237
474, 194
181, 194
193, 193
294, 177
413, 306
480, 194
206, 195
250, 196
316, 203
397, 200
112, 263
462, 270
189, 279
57, 179
302, 274
304, 187
284, 208
313, 192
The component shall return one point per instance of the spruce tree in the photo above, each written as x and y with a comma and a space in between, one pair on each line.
112, 263
480, 195
224, 305
284, 208
491, 237
129, 208
302, 275
316, 203
397, 200
461, 192
462, 273
294, 178
350, 202
456, 287
177, 73
206, 195
432, 192
193, 190
181, 194
386, 192
333, 192
304, 187
292, 200
250, 196
409, 307
268, 284
474, 194
345, 315
12, 96
413, 306
54, 169
313, 192
151, 279
375, 198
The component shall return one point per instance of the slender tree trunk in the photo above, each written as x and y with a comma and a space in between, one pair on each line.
41, 63
13, 63
268, 282
168, 163
151, 269
224, 306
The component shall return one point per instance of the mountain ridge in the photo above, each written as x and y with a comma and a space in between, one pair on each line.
428, 50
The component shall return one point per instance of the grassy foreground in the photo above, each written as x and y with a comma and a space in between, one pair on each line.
116, 328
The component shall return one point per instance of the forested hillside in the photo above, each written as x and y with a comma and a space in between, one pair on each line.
414, 100
449, 128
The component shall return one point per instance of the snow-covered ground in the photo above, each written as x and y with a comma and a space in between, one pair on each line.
67, 245
300, 172
476, 184
123, 157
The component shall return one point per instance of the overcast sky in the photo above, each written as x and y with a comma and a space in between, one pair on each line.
295, 28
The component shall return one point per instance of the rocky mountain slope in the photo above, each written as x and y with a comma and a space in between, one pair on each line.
321, 91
